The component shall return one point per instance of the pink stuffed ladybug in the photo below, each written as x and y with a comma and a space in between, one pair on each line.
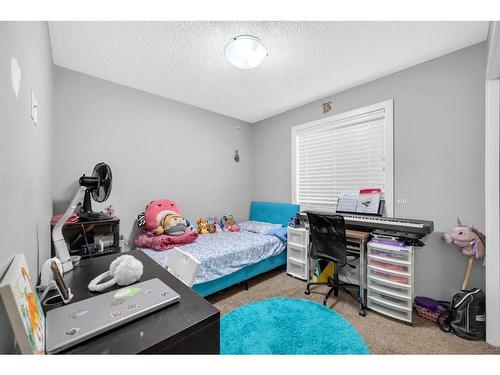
156, 211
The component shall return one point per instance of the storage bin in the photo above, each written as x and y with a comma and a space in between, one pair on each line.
390, 300
297, 252
389, 255
388, 275
399, 268
389, 311
296, 269
298, 236
390, 288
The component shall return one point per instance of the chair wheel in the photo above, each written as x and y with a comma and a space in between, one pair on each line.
362, 312
307, 292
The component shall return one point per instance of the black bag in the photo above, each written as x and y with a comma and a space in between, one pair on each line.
466, 316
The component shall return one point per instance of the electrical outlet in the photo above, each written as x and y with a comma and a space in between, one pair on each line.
34, 108
402, 200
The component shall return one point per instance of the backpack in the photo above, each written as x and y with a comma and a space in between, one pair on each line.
466, 316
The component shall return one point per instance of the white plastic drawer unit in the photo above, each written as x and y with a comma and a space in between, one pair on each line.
297, 253
390, 280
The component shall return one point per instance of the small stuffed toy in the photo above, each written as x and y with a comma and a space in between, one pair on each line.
230, 223
202, 226
211, 224
173, 225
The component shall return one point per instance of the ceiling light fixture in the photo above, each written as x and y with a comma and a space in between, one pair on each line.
245, 51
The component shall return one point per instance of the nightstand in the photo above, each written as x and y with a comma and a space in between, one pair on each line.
84, 238
297, 263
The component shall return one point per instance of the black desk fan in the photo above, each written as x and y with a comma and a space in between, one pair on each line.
99, 187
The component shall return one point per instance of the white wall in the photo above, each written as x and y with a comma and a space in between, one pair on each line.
25, 152
439, 154
156, 148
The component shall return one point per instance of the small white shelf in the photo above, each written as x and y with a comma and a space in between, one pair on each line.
297, 253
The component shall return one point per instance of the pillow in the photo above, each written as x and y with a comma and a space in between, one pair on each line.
281, 233
258, 226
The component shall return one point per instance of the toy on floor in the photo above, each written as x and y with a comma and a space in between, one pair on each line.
471, 242
202, 226
230, 223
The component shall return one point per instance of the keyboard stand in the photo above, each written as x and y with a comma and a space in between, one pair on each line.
360, 239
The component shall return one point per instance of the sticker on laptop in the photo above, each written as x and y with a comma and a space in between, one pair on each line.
117, 302
127, 292
116, 314
78, 313
72, 331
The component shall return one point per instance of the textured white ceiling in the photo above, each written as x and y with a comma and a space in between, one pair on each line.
185, 61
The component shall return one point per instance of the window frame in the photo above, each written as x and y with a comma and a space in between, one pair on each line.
341, 118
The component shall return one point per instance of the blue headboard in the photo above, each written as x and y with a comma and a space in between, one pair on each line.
276, 213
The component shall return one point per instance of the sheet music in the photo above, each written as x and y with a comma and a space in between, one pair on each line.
348, 202
369, 201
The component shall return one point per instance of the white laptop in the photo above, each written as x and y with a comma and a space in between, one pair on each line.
73, 323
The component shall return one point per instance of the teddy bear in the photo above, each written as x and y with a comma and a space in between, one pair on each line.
230, 223
154, 213
202, 226
212, 224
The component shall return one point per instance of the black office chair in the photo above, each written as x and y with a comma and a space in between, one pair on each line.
328, 242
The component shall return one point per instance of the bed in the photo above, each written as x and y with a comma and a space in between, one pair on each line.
229, 258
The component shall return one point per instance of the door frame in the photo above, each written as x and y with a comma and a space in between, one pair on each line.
492, 211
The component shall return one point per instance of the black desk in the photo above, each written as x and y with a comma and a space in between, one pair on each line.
188, 327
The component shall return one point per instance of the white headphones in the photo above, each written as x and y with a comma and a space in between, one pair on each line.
124, 270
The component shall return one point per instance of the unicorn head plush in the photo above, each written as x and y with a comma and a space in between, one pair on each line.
470, 241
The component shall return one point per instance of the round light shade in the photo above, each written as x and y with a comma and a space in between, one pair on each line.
245, 51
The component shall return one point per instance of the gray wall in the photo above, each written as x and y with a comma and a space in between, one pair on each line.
439, 154
25, 152
156, 148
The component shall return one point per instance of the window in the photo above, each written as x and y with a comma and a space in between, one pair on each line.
343, 153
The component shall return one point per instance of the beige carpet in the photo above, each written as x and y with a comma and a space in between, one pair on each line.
383, 335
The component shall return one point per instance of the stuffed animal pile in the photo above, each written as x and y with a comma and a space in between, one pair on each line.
163, 226
212, 224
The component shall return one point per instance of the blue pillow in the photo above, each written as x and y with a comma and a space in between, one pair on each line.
281, 233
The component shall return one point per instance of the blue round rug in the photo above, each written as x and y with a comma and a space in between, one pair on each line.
288, 326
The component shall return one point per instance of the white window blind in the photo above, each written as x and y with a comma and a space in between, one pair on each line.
342, 155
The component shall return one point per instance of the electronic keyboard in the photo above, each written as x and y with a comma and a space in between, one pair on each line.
391, 226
